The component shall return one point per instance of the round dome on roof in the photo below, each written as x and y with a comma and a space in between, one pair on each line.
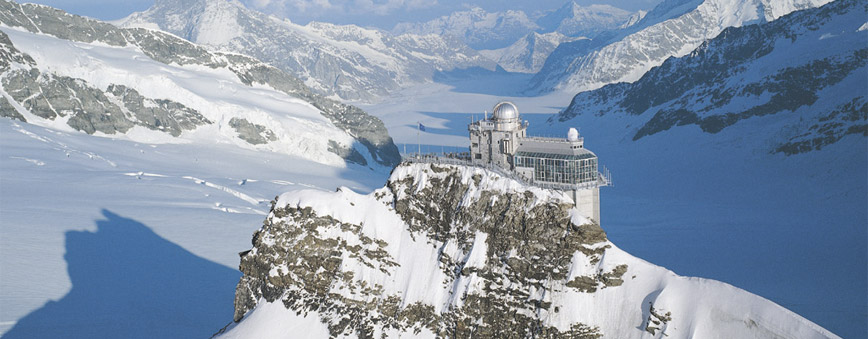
573, 134
505, 110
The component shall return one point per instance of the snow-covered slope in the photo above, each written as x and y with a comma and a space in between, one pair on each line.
808, 68
528, 54
113, 238
452, 251
351, 62
476, 27
673, 28
72, 73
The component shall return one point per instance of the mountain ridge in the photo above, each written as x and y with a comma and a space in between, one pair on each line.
673, 28
717, 85
369, 132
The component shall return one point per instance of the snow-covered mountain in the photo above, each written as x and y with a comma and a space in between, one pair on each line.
74, 73
634, 19
453, 251
673, 28
497, 30
575, 20
348, 61
476, 27
518, 43
808, 68
528, 54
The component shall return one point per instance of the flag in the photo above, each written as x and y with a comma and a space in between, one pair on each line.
421, 127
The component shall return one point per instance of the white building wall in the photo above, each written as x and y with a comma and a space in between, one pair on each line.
588, 202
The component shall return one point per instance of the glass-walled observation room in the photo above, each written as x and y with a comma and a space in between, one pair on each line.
559, 168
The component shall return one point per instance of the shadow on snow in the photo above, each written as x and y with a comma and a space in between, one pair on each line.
128, 282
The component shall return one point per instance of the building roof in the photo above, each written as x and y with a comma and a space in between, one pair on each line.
553, 148
505, 110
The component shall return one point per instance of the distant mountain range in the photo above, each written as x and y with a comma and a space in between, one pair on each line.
528, 54
497, 30
477, 27
343, 61
573, 48
349, 62
575, 20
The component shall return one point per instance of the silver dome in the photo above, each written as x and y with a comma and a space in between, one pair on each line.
505, 111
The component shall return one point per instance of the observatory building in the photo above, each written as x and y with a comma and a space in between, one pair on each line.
558, 163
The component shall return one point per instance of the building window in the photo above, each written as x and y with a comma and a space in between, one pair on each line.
478, 156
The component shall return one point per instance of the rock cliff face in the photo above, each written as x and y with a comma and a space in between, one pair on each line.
807, 67
452, 251
115, 108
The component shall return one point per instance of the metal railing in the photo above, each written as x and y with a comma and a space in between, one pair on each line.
553, 140
463, 159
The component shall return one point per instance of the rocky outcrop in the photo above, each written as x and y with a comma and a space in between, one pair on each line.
87, 108
8, 111
93, 110
158, 114
530, 242
253, 133
459, 252
849, 118
10, 55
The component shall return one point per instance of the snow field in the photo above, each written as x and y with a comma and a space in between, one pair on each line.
203, 200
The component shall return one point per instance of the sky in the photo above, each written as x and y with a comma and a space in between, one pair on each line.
369, 13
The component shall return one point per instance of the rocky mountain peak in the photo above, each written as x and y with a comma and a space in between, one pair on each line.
455, 251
